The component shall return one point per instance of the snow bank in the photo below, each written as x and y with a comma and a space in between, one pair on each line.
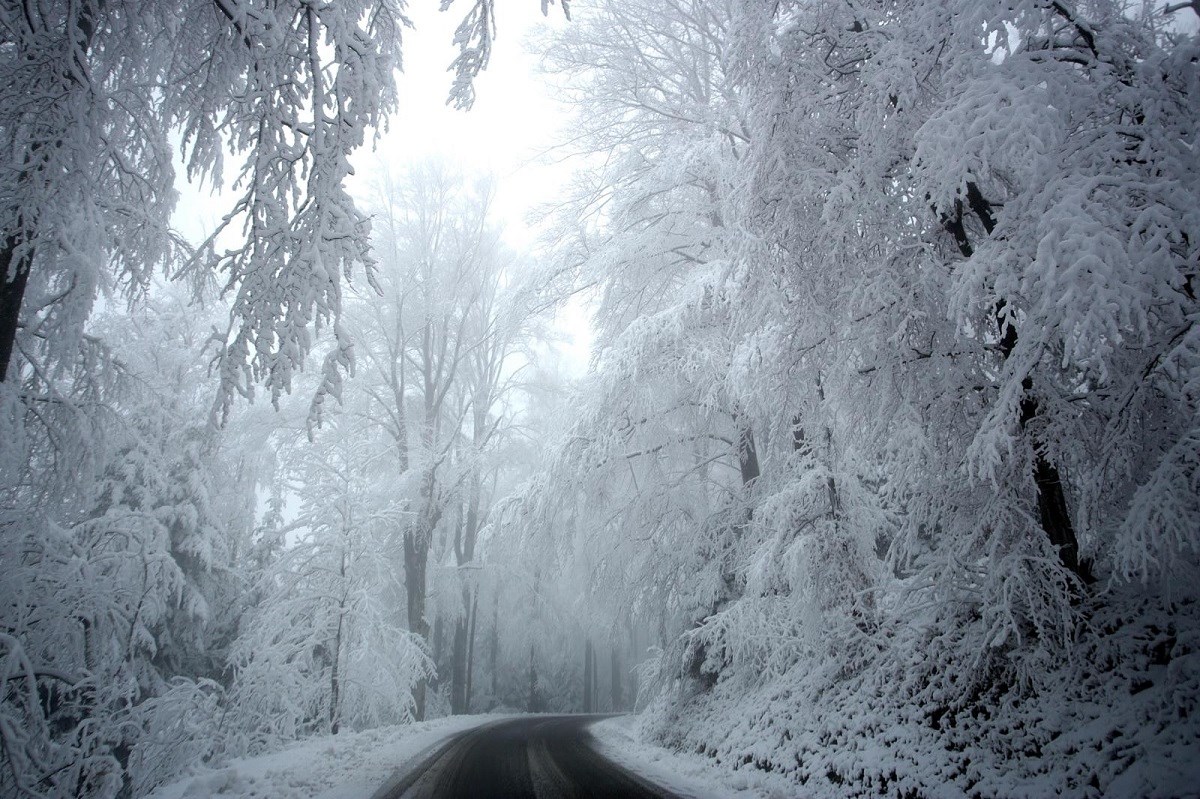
685, 775
1118, 719
347, 766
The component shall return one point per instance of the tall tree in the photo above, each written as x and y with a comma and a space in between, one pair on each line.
442, 342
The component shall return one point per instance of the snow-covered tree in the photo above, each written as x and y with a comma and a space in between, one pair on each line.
93, 90
656, 93
122, 511
938, 278
323, 649
123, 590
442, 343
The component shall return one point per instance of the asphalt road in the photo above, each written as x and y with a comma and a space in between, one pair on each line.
546, 757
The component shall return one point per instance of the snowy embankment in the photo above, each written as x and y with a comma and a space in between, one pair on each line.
347, 766
1117, 719
686, 775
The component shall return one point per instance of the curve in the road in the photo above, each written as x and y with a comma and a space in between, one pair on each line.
540, 757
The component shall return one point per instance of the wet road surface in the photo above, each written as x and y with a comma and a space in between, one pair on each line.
542, 757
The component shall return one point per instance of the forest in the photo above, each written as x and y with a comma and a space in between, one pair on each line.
882, 478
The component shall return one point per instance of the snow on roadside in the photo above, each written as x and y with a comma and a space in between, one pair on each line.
347, 766
686, 775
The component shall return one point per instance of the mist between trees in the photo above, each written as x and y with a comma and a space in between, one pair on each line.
885, 476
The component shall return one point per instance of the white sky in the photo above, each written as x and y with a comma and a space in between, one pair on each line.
512, 123
507, 133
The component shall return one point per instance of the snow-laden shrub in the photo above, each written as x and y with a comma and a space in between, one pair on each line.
1117, 719
178, 729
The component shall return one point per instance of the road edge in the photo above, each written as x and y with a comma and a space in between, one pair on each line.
406, 775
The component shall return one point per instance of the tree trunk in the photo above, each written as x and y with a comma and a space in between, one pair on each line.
471, 650
13, 279
831, 491
439, 635
417, 540
533, 697
335, 683
1053, 514
747, 454
588, 677
618, 700
731, 583
416, 554
458, 668
466, 534
495, 645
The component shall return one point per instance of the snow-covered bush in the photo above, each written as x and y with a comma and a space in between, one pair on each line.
323, 648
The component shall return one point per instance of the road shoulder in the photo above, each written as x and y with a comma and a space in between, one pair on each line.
347, 766
687, 776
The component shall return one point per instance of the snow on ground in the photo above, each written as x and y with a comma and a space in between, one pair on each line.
686, 775
347, 766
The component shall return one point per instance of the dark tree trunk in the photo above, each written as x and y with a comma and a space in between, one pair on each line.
439, 635
14, 270
416, 553
458, 669
633, 689
595, 682
748, 467
747, 454
534, 705
335, 682
495, 645
618, 698
1053, 514
417, 540
14, 276
588, 677
799, 443
466, 533
471, 650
